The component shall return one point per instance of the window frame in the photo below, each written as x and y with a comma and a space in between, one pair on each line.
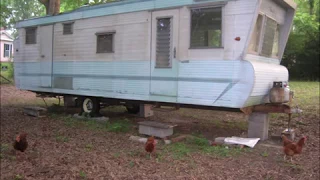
71, 29
35, 35
6, 51
262, 34
112, 41
222, 27
171, 42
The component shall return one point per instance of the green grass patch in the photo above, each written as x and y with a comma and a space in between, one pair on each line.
61, 138
179, 150
306, 96
8, 73
265, 154
89, 147
201, 145
82, 175
18, 177
123, 125
4, 148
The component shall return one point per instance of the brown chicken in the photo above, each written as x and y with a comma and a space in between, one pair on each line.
291, 148
150, 145
21, 144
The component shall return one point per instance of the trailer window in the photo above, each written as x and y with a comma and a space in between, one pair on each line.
266, 44
255, 40
105, 42
31, 36
68, 28
163, 53
275, 49
269, 37
206, 28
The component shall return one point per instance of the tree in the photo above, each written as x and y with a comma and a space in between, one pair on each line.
52, 6
301, 56
13, 11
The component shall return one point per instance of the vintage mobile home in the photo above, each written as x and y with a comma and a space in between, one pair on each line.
216, 53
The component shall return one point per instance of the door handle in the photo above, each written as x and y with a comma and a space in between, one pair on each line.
174, 52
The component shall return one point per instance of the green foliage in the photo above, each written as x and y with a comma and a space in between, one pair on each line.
200, 144
69, 5
13, 11
89, 147
119, 126
8, 74
301, 56
306, 96
179, 150
18, 177
82, 174
265, 154
61, 138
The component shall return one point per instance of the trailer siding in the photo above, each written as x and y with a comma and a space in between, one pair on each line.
222, 77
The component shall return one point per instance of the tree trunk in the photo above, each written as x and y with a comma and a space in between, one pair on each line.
46, 4
311, 6
57, 7
52, 6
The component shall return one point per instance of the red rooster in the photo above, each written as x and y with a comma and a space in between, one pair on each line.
291, 148
150, 145
21, 143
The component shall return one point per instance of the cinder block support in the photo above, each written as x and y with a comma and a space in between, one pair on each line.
69, 101
145, 110
258, 126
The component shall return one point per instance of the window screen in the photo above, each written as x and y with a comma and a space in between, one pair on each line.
206, 27
269, 37
105, 42
68, 28
163, 53
31, 35
255, 39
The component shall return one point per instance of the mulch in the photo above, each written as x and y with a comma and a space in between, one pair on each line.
114, 156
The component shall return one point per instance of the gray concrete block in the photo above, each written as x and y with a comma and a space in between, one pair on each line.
35, 111
145, 110
156, 129
258, 126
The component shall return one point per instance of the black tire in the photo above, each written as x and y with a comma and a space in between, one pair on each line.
90, 105
133, 108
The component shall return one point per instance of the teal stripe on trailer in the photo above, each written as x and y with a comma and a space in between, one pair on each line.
111, 8
219, 83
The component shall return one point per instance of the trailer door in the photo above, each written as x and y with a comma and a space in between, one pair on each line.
46, 35
164, 67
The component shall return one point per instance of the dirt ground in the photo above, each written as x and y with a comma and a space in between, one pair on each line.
58, 150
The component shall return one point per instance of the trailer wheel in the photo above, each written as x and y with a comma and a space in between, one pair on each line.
91, 106
133, 108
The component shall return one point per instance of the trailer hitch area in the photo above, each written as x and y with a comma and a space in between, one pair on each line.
271, 108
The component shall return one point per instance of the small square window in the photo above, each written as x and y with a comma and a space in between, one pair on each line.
68, 28
31, 35
105, 42
206, 28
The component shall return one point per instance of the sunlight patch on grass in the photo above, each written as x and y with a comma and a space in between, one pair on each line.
306, 96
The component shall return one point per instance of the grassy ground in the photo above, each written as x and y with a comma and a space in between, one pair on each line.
8, 73
63, 147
